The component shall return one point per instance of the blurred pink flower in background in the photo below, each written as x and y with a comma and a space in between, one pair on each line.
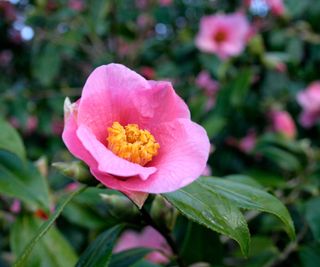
148, 238
72, 187
141, 3
76, 5
283, 123
165, 2
117, 108
31, 124
57, 126
7, 11
276, 7
248, 143
147, 72
209, 86
309, 99
224, 35
14, 122
281, 67
29, 127
15, 206
5, 58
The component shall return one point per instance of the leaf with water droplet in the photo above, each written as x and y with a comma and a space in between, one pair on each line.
249, 197
212, 210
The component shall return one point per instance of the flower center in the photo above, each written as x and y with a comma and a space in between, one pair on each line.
220, 36
131, 143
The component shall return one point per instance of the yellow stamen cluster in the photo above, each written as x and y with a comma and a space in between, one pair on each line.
131, 143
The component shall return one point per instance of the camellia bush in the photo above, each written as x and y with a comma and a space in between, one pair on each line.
151, 133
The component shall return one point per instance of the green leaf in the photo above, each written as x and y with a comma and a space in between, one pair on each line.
46, 64
280, 157
310, 255
205, 206
205, 240
313, 216
240, 87
128, 257
10, 140
23, 181
98, 254
44, 228
52, 251
248, 197
84, 215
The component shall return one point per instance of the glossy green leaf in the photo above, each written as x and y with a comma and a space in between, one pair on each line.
248, 197
129, 257
284, 159
41, 231
23, 181
10, 140
51, 251
99, 253
313, 216
310, 255
209, 247
205, 206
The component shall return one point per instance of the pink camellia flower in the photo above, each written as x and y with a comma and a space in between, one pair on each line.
309, 99
148, 238
283, 123
224, 35
135, 135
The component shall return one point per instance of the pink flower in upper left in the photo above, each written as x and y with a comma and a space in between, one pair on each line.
223, 35
135, 135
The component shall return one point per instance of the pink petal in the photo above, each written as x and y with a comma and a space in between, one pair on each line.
184, 153
107, 161
107, 97
115, 93
71, 140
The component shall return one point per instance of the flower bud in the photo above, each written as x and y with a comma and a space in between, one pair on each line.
75, 170
256, 45
163, 213
120, 207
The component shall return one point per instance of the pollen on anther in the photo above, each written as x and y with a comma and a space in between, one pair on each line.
131, 143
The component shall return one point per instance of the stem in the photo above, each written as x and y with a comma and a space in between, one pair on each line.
146, 216
45, 227
290, 248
